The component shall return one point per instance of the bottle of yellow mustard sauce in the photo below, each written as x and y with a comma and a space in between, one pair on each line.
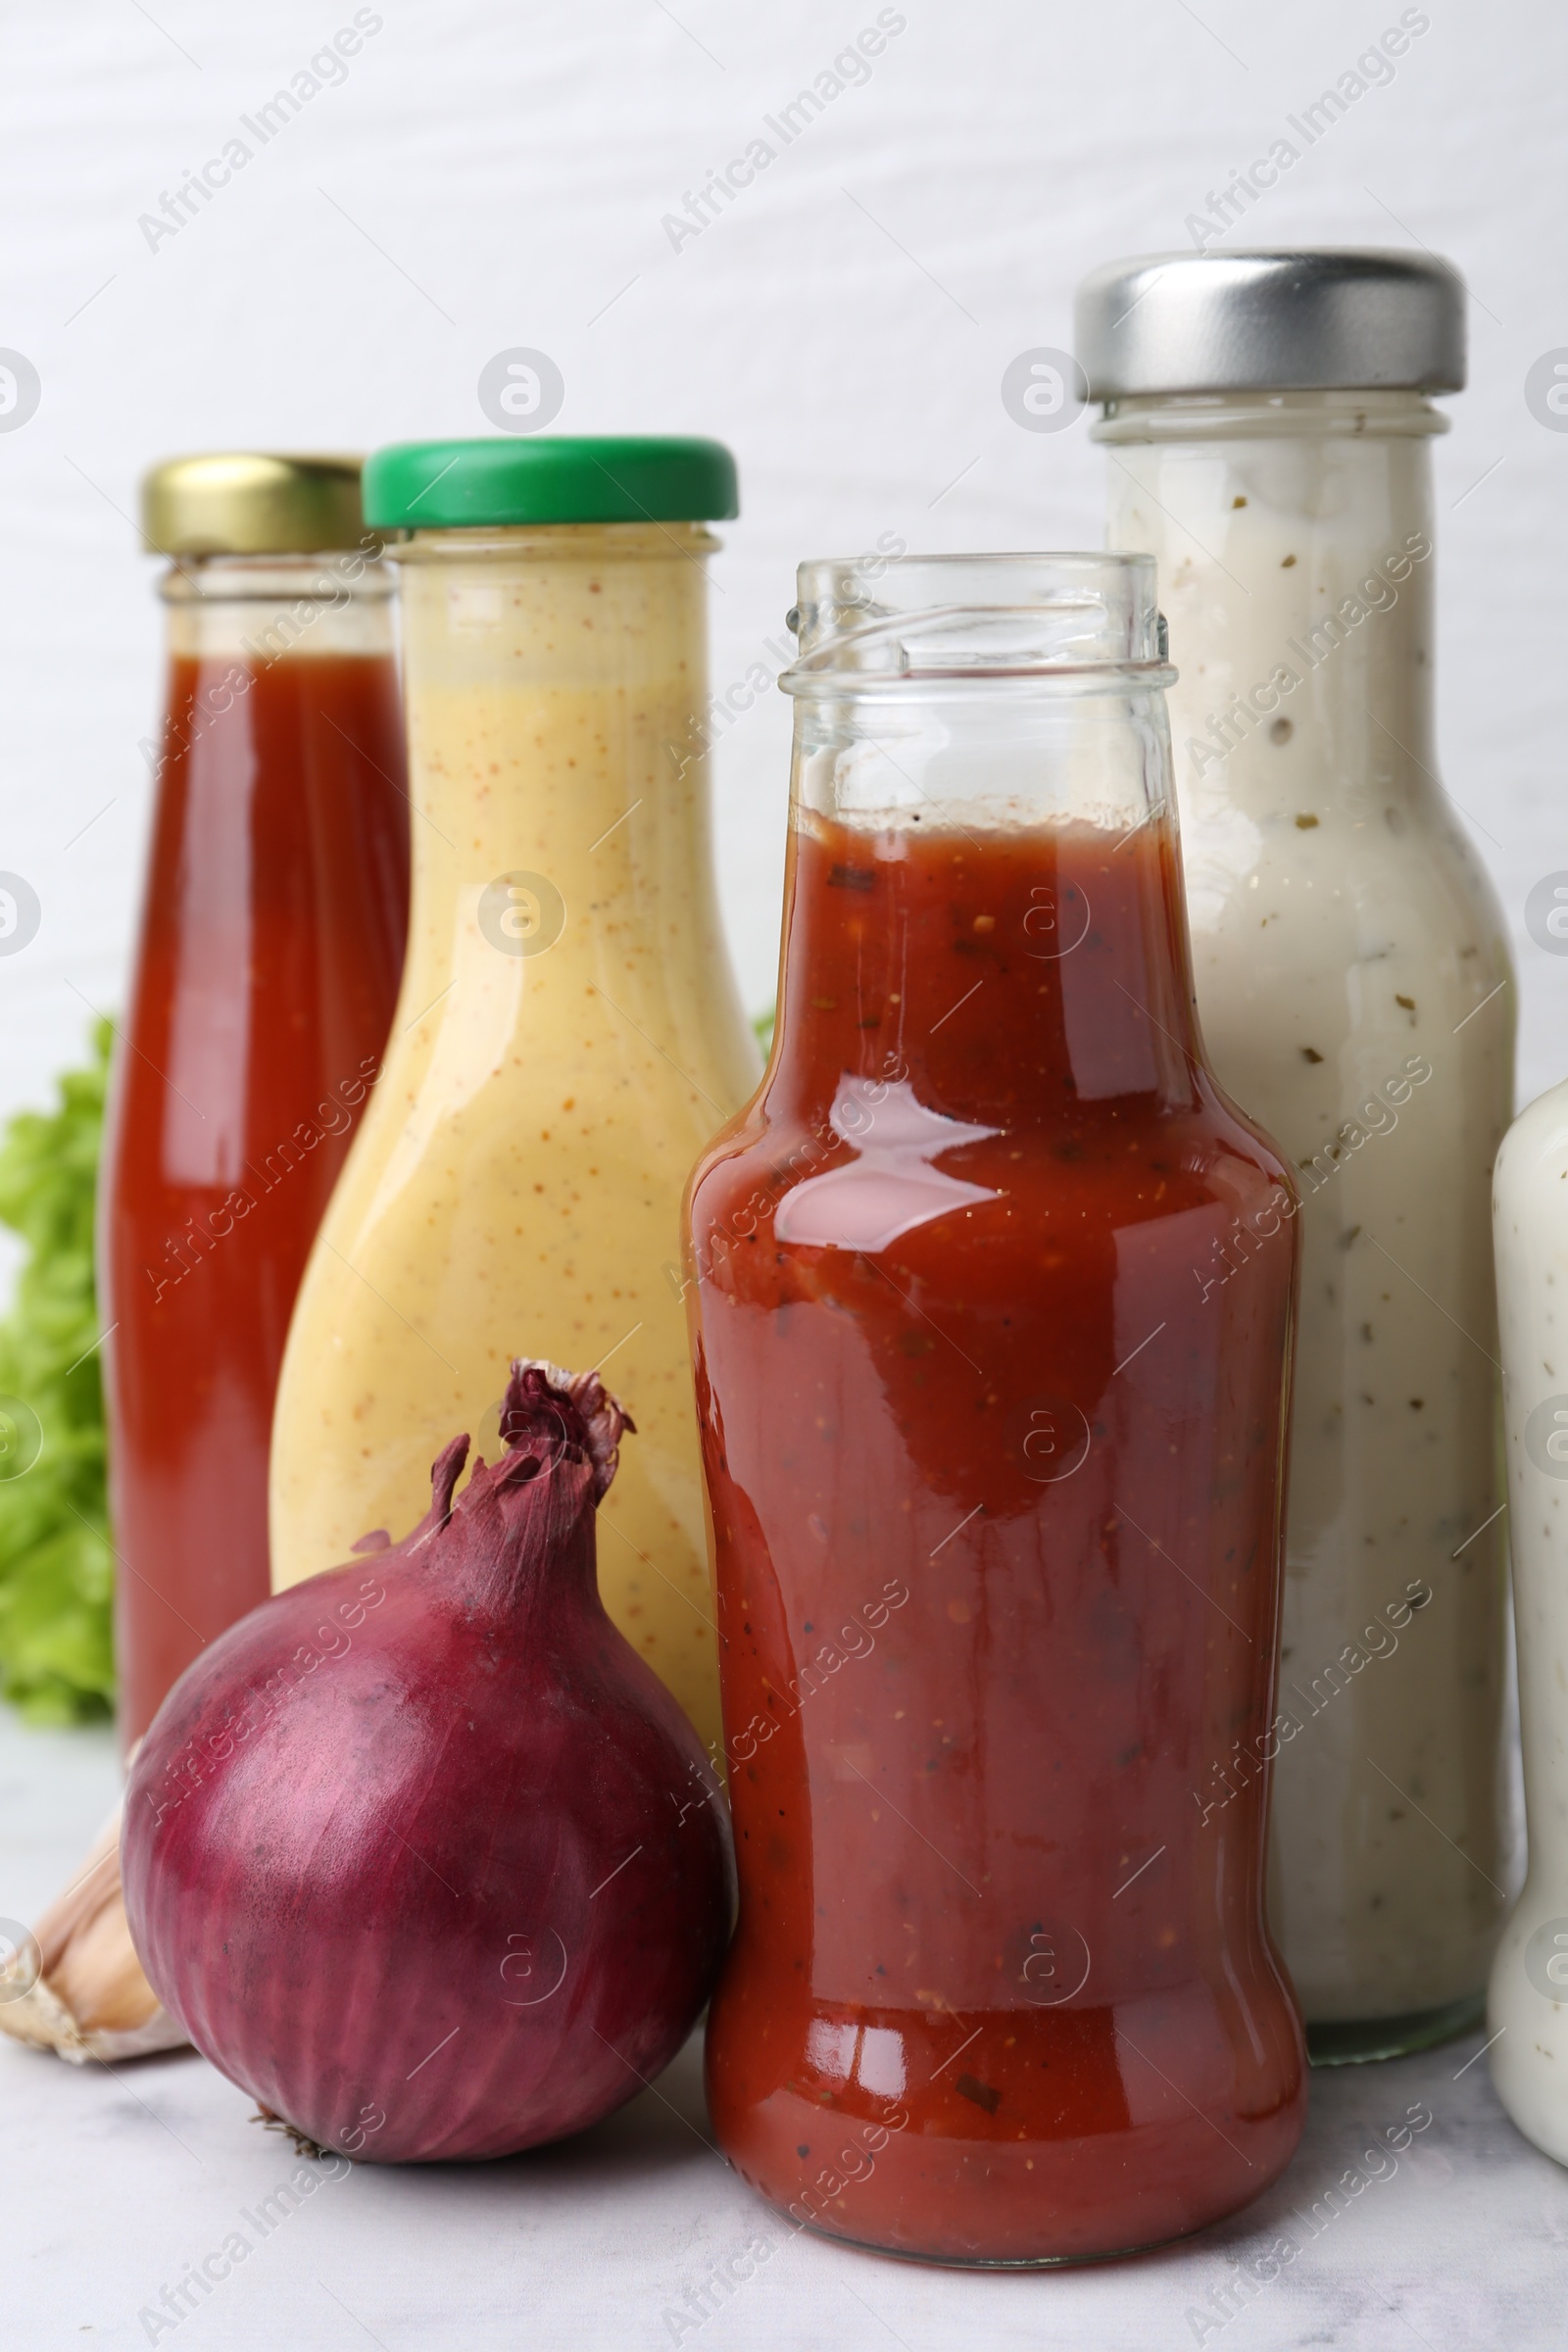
568, 1034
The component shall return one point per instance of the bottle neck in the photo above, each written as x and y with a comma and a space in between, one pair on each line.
1292, 535
253, 611
555, 690
983, 908
234, 621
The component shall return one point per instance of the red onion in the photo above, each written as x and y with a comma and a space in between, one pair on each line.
420, 1853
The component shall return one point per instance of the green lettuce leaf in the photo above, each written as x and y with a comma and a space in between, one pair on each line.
56, 1560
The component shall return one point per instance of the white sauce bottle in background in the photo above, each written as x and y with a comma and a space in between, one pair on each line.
1354, 989
1528, 2010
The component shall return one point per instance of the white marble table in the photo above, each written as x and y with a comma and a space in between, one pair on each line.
116, 2184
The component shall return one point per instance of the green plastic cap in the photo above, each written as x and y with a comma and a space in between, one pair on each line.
579, 477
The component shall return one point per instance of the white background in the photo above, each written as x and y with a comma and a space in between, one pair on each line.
488, 177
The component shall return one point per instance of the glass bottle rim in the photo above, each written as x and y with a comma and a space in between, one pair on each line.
558, 542
1324, 414
1075, 620
320, 577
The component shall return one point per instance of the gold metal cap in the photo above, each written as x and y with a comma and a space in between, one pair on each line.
249, 503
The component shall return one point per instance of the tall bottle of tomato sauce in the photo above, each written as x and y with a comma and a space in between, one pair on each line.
994, 1461
270, 948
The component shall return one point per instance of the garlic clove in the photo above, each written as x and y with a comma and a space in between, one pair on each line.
86, 1994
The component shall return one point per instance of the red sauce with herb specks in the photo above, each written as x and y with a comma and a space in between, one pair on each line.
994, 1413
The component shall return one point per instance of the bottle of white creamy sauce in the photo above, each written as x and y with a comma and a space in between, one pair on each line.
1527, 2009
1355, 988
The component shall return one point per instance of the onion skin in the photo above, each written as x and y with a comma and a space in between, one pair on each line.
419, 1854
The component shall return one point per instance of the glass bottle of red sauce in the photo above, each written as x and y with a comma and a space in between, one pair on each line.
992, 1307
270, 948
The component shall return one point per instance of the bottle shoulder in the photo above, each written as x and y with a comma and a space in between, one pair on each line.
1532, 1156
1332, 858
1127, 1162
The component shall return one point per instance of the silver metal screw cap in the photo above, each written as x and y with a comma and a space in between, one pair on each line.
1299, 319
